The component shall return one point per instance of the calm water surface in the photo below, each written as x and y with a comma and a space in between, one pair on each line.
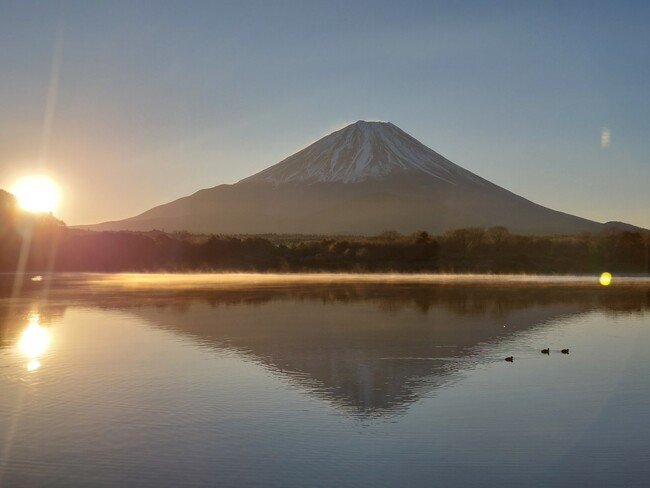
213, 381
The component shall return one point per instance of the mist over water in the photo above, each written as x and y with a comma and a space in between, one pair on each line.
321, 380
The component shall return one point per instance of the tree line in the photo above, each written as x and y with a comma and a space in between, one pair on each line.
42, 243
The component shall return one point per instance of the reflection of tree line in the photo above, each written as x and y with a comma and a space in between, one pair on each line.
53, 246
464, 299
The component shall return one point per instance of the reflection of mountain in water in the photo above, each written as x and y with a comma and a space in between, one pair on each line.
354, 354
373, 350
368, 349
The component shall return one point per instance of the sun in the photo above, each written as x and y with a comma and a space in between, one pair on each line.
37, 193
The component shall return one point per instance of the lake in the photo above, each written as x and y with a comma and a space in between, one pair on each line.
323, 380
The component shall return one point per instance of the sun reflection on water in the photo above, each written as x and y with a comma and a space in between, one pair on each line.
33, 365
34, 341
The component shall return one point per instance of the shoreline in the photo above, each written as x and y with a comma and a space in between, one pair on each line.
182, 280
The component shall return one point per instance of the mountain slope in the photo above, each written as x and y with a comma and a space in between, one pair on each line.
364, 179
361, 152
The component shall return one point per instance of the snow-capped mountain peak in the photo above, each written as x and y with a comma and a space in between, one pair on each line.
363, 179
359, 152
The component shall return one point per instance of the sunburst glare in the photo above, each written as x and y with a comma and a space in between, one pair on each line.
37, 193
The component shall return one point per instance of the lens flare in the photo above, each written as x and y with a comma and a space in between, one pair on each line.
605, 278
605, 137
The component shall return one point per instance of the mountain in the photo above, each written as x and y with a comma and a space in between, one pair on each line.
366, 178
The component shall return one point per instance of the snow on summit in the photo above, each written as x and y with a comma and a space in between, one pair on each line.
361, 151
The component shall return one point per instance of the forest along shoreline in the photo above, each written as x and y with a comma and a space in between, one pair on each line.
39, 242
51, 246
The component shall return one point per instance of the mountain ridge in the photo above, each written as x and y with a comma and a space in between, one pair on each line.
365, 178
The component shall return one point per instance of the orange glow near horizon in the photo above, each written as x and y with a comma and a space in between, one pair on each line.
37, 193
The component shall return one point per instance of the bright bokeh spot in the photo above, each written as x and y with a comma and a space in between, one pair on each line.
35, 338
605, 278
37, 193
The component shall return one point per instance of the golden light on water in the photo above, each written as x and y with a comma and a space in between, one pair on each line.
37, 193
33, 365
34, 341
605, 278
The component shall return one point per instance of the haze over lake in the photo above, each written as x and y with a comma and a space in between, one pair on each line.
248, 380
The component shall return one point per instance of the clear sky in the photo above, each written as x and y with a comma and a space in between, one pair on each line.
130, 104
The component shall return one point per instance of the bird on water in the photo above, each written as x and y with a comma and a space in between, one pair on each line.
510, 359
565, 351
546, 351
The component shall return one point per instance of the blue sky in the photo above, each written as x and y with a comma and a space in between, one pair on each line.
131, 104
